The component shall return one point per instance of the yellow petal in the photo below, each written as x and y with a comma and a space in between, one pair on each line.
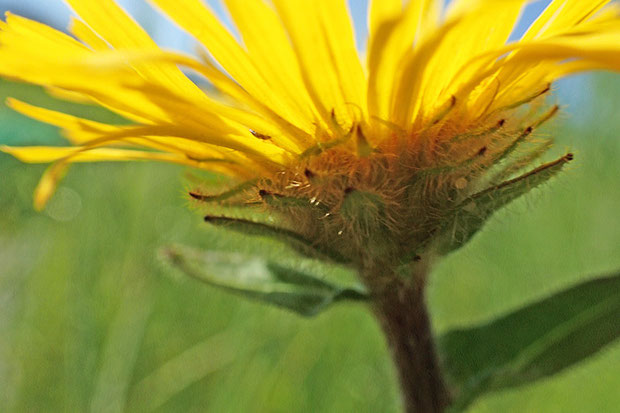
154, 99
483, 26
194, 17
68, 95
416, 70
284, 134
379, 13
390, 43
82, 131
64, 156
35, 53
340, 43
539, 62
268, 46
48, 154
125, 33
48, 183
90, 129
84, 33
561, 16
518, 71
306, 22
56, 41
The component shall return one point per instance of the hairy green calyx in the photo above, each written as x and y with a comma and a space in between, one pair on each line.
401, 202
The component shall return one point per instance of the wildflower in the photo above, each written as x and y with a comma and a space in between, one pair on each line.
382, 158
381, 166
378, 161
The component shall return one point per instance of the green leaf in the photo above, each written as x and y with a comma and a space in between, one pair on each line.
534, 342
261, 279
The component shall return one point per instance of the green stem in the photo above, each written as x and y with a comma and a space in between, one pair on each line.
400, 308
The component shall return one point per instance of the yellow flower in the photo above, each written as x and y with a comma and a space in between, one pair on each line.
441, 94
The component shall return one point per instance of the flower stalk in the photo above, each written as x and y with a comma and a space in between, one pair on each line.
400, 308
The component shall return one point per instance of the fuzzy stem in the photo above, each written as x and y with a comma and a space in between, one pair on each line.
400, 308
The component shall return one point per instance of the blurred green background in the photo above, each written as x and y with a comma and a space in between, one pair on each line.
90, 320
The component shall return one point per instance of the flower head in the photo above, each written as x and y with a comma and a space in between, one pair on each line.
423, 139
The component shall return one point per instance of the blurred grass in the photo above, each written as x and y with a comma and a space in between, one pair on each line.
91, 321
